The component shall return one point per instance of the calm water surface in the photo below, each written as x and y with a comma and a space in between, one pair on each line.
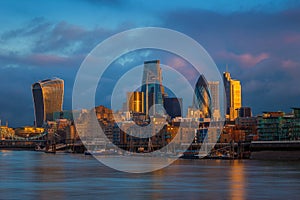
36, 175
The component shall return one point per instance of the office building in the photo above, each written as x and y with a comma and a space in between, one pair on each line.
135, 102
213, 87
202, 98
152, 87
233, 92
47, 98
277, 126
173, 106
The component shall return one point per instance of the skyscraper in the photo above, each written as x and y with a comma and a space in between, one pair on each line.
135, 102
173, 106
202, 98
213, 87
47, 98
233, 91
152, 86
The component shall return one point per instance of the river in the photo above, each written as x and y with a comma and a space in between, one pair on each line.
36, 175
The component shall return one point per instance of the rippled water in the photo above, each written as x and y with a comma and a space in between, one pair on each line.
36, 175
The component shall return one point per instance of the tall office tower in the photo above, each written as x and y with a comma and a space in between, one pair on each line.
202, 98
173, 106
213, 87
226, 80
47, 98
152, 86
135, 102
233, 91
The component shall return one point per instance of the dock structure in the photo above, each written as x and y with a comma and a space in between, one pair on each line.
275, 150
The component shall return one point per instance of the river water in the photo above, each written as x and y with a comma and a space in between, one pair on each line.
36, 175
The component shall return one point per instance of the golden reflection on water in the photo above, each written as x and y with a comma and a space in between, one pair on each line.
238, 180
157, 177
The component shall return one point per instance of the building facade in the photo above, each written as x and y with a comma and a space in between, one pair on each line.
135, 102
233, 92
202, 98
173, 106
152, 86
47, 98
213, 87
277, 126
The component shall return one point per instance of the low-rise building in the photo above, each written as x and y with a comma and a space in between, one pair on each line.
28, 131
6, 132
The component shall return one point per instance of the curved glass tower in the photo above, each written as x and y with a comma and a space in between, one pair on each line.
47, 98
202, 98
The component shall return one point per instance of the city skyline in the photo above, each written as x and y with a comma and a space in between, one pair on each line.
142, 99
258, 40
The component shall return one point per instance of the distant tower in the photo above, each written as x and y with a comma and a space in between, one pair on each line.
152, 85
47, 98
213, 87
202, 98
233, 91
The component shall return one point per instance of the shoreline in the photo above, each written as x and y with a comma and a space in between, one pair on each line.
273, 155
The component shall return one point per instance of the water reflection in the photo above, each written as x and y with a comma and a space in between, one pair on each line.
33, 175
238, 180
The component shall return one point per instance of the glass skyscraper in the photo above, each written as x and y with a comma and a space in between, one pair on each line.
152, 86
173, 106
202, 98
47, 98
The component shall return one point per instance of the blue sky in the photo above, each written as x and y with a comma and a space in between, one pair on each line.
259, 40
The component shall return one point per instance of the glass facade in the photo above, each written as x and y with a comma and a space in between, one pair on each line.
276, 126
152, 86
173, 106
48, 98
202, 98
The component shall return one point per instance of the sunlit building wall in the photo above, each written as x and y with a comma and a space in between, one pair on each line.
235, 98
6, 132
233, 92
135, 102
48, 98
28, 131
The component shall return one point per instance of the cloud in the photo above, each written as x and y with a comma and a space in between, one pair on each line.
292, 38
246, 59
289, 64
260, 48
261, 43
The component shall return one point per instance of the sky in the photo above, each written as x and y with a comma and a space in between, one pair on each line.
258, 40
